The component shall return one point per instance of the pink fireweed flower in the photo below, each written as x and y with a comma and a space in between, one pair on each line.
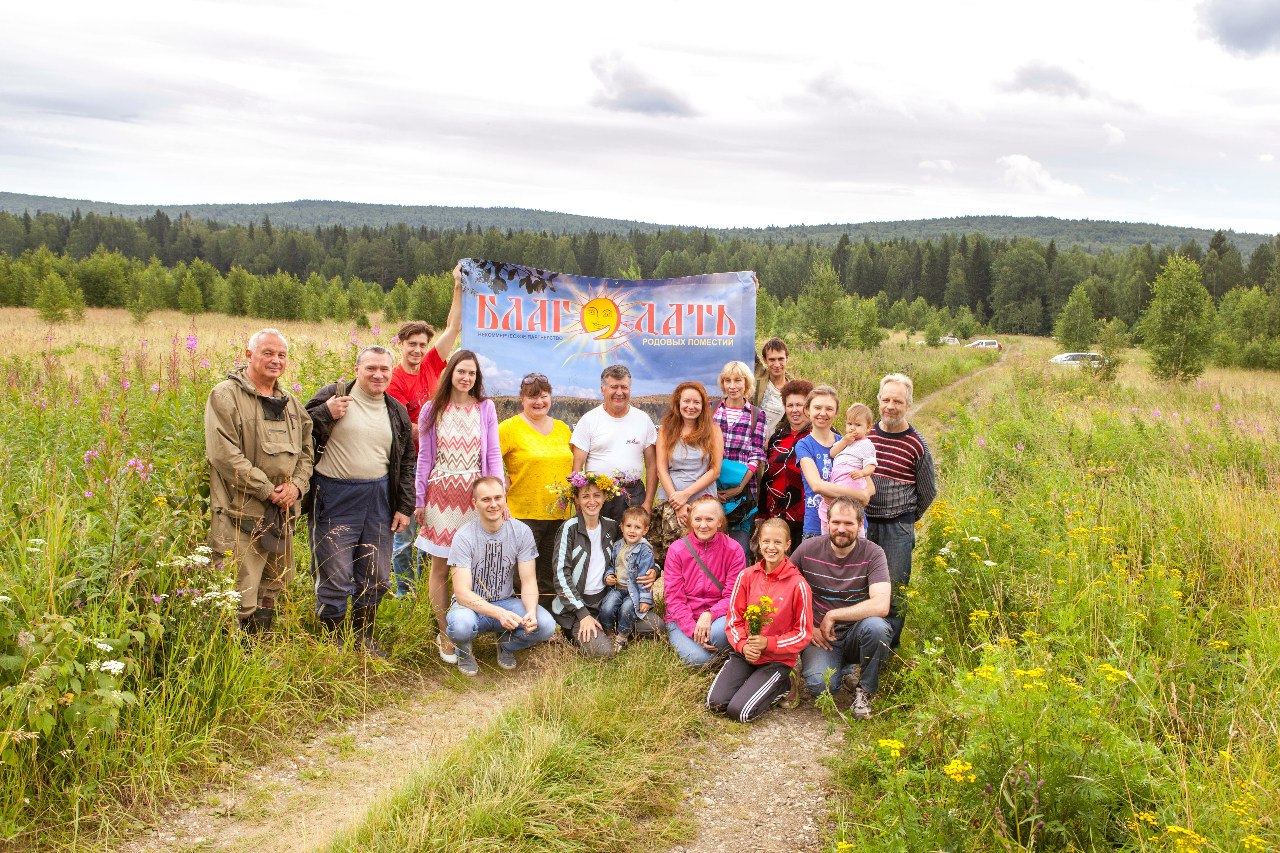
204, 364
125, 383
296, 387
155, 387
982, 442
192, 343
88, 494
1217, 407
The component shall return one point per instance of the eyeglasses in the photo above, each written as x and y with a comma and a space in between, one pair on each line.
534, 379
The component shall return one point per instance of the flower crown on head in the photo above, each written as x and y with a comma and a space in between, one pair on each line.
566, 491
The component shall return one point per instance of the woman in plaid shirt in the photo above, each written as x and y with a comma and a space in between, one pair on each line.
743, 426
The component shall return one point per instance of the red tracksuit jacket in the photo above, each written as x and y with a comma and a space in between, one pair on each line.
791, 628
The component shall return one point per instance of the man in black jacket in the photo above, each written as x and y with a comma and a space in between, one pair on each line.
362, 492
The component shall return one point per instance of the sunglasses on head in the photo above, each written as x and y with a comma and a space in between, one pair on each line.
534, 379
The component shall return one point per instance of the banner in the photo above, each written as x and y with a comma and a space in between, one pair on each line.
523, 320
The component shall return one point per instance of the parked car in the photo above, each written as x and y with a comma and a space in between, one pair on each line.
984, 343
1078, 359
950, 340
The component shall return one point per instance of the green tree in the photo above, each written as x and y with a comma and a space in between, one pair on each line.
1017, 297
824, 308
54, 300
864, 325
1177, 327
189, 299
1112, 341
1075, 328
766, 313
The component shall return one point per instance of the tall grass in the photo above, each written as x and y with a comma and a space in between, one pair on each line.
1092, 657
121, 678
593, 759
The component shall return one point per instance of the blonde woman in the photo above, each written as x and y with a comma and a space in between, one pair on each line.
743, 428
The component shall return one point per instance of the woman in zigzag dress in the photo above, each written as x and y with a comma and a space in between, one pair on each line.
458, 444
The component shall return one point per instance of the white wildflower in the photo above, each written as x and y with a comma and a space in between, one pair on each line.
198, 560
36, 542
4, 599
988, 562
35, 550
103, 647
974, 538
114, 667
203, 549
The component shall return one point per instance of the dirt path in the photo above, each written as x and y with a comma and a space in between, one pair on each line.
301, 801
742, 809
786, 810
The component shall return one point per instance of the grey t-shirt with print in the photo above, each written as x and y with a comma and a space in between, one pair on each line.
492, 557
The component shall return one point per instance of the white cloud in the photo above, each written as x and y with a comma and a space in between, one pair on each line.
1115, 136
628, 89
936, 166
1027, 175
1266, 158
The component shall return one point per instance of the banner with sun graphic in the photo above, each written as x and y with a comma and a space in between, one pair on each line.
570, 327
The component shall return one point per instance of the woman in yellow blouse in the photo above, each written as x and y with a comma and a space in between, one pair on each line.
536, 454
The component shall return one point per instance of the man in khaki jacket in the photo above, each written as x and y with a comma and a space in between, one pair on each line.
258, 440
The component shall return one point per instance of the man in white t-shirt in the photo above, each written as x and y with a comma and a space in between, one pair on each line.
616, 438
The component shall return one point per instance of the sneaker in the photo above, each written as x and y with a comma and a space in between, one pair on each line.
445, 656
466, 661
792, 700
506, 658
861, 705
851, 679
619, 641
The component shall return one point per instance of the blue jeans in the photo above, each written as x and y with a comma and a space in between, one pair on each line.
692, 653
406, 560
464, 624
865, 642
898, 539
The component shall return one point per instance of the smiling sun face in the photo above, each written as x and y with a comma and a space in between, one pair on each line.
600, 315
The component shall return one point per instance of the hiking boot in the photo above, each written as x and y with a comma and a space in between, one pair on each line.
851, 679
792, 700
506, 657
331, 628
467, 660
362, 619
861, 705
619, 642
261, 621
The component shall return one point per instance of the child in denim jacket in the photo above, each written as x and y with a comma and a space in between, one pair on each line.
632, 557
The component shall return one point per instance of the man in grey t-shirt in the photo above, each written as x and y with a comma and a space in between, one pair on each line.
485, 555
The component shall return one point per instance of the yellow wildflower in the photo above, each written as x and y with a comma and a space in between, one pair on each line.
960, 771
891, 746
1253, 843
1185, 839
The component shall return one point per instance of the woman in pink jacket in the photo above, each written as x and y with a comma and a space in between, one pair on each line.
698, 579
457, 445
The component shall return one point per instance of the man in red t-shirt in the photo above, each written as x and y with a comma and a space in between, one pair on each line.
413, 381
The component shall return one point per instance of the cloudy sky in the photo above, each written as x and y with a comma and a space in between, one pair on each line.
692, 113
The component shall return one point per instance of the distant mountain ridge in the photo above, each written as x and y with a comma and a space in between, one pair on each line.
1091, 235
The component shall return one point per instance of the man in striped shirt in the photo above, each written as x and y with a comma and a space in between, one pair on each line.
905, 487
851, 590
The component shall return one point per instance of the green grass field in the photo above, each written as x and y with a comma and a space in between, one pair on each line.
1090, 659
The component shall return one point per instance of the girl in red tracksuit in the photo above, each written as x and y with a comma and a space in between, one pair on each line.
758, 672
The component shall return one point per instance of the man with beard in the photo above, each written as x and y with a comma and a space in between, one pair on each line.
850, 582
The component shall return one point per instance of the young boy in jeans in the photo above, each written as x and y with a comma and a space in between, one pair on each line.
626, 600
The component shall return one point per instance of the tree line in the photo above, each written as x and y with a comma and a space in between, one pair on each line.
957, 284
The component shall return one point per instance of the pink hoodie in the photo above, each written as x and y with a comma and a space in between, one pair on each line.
688, 591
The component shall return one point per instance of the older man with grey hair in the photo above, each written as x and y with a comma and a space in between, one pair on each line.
258, 442
905, 487
364, 492
617, 438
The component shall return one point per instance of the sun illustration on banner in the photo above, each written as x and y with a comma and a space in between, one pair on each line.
600, 328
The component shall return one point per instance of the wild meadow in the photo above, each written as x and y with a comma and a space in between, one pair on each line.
1092, 658
122, 684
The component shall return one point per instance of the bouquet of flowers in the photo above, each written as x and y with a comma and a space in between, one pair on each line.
759, 614
566, 491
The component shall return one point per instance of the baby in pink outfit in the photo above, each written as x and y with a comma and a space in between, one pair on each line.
854, 455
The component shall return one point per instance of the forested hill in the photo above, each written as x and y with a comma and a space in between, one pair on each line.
1090, 235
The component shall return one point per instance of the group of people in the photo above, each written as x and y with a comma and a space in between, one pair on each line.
782, 545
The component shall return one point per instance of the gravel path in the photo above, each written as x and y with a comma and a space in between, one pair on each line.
784, 810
